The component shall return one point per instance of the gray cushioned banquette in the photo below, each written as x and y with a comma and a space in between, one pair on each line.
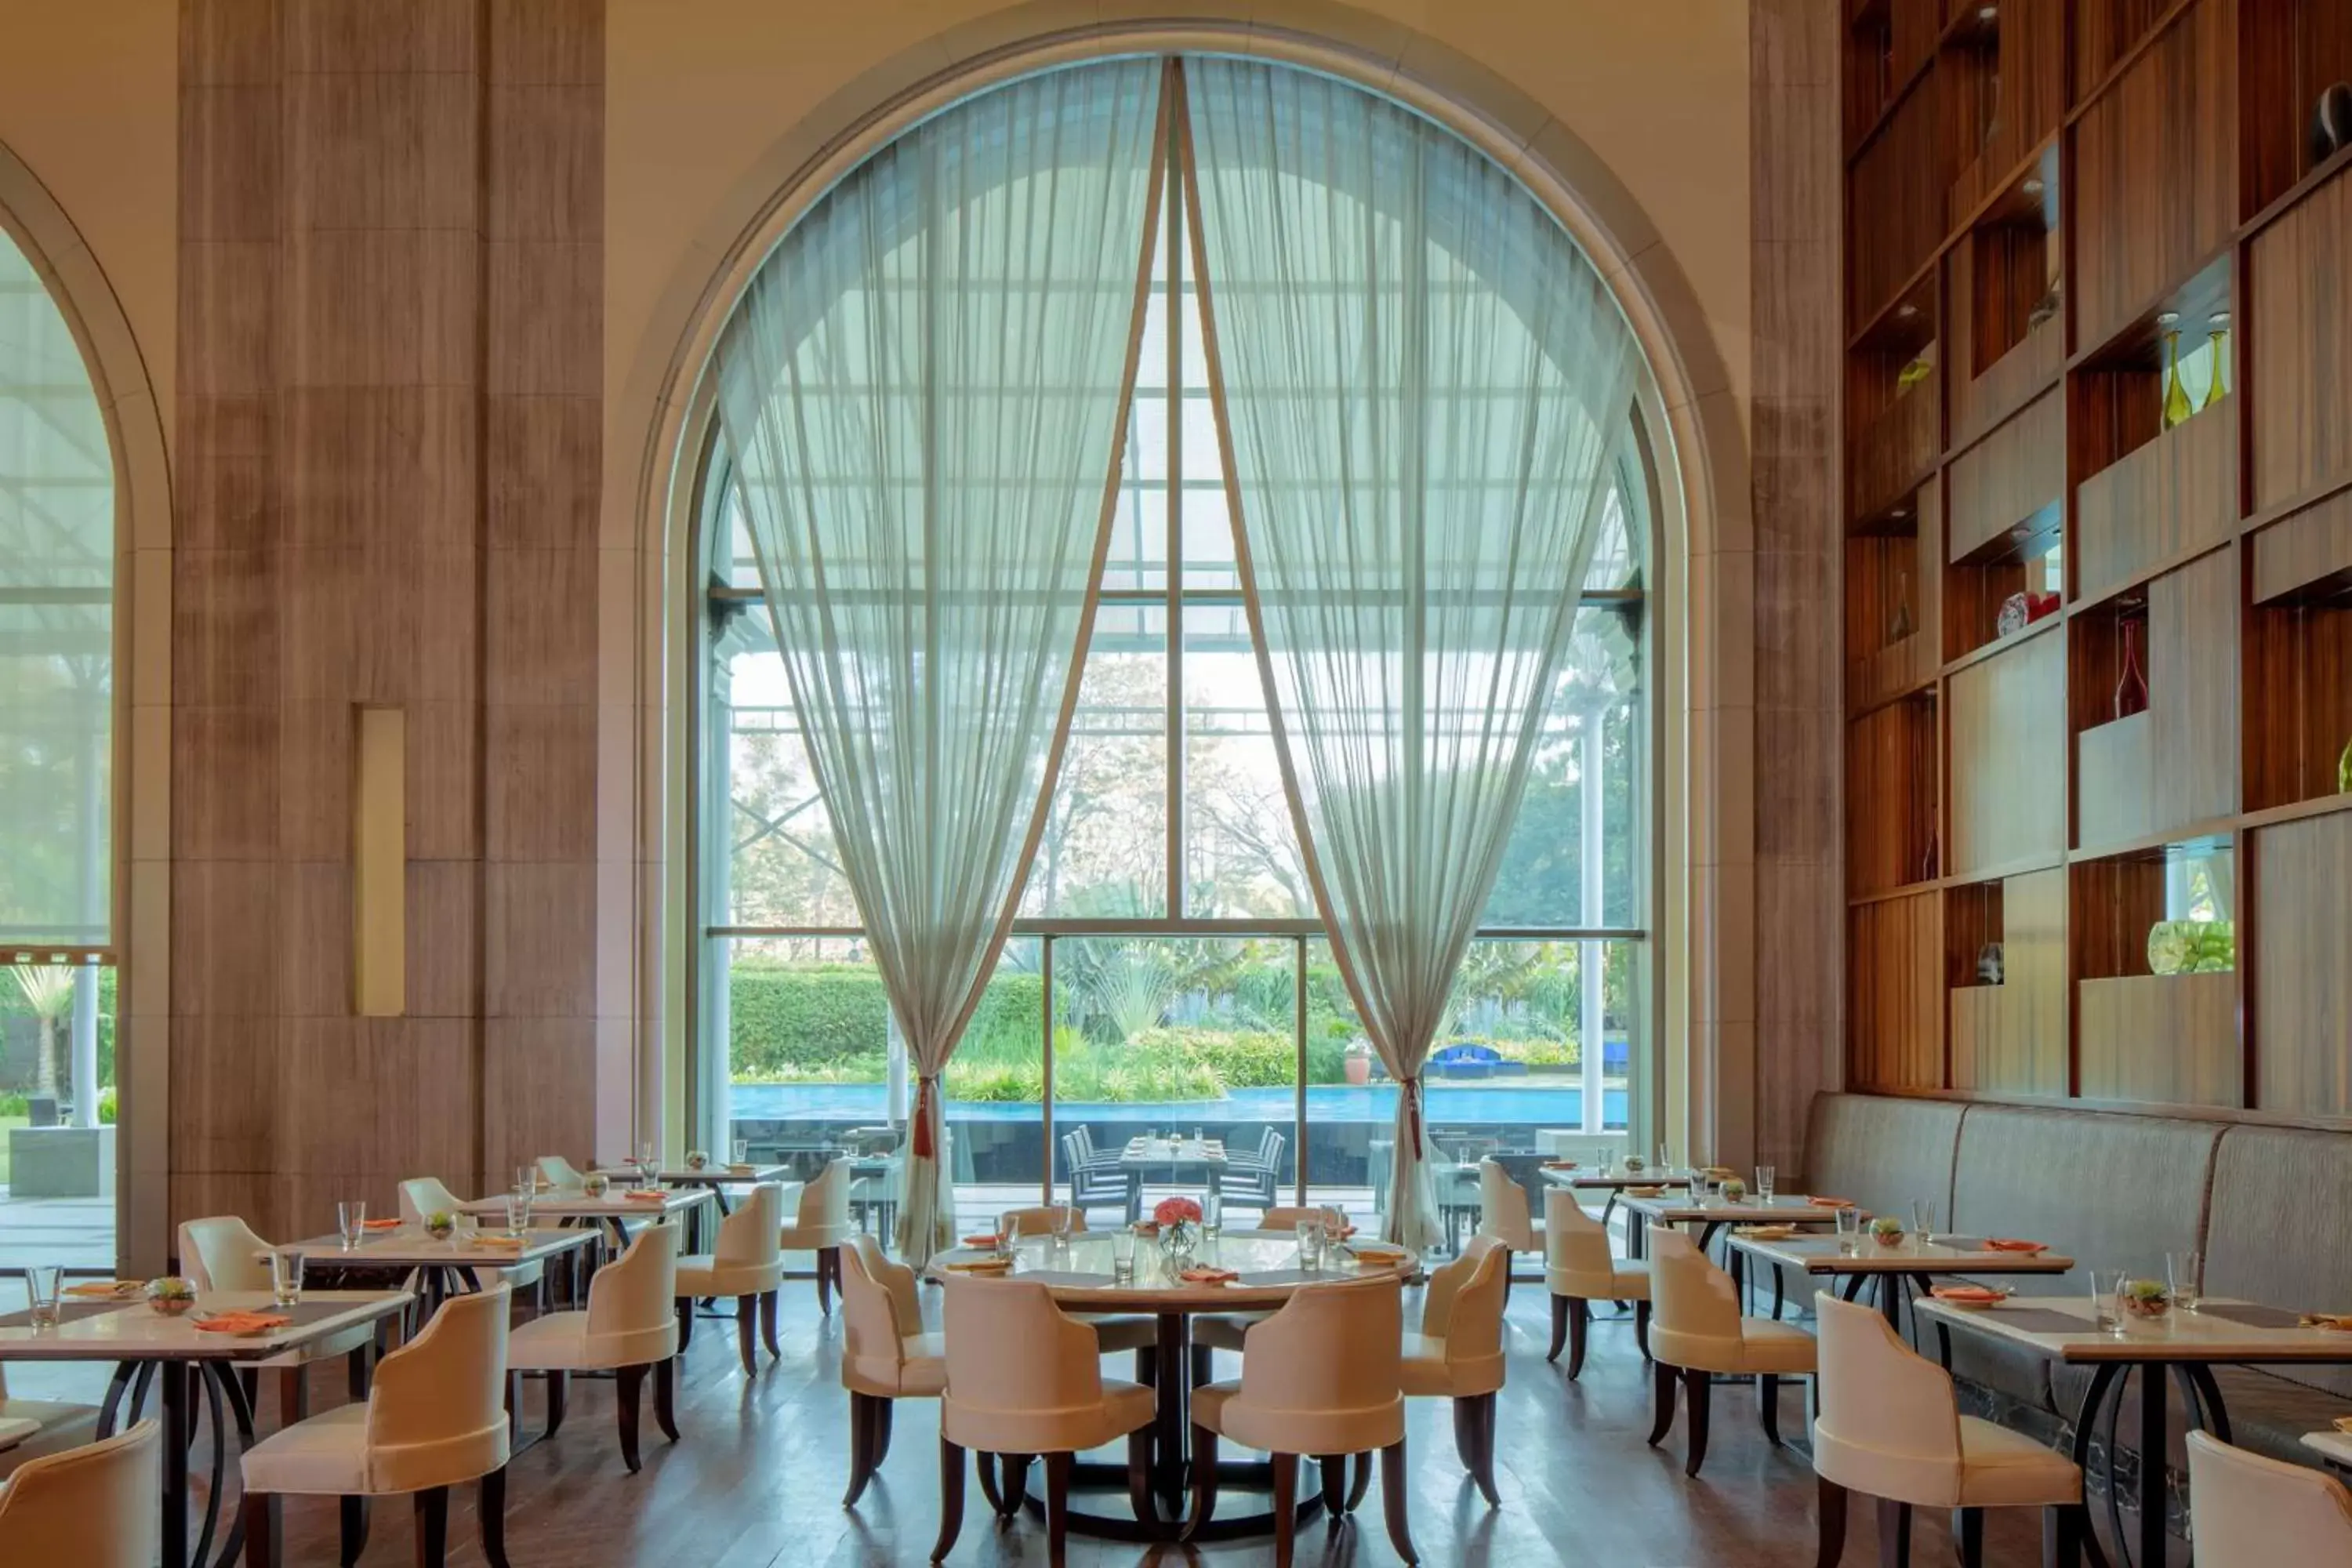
2276, 1232
1881, 1151
2110, 1192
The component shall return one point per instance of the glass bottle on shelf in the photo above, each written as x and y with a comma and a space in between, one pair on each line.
2177, 406
2217, 338
2131, 684
1901, 626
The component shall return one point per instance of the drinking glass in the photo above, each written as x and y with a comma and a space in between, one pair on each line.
1849, 1231
351, 1219
1151, 1135
518, 1213
1122, 1255
2184, 1273
1201, 1135
1764, 1177
44, 1281
2107, 1284
1666, 1159
1311, 1247
526, 1179
1923, 1219
286, 1276
742, 1150
645, 1159
1212, 1213
1006, 1235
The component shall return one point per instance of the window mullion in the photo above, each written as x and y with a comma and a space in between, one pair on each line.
1177, 894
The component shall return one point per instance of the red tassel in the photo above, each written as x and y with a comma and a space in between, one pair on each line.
923, 1149
1412, 1114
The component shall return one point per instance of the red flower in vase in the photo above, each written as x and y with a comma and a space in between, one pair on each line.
1176, 1211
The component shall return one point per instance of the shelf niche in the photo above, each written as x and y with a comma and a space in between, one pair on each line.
1894, 993
2010, 1038
2302, 989
1895, 429
2004, 74
2290, 51
2006, 281
2008, 757
2298, 655
1891, 837
2167, 766
2168, 1039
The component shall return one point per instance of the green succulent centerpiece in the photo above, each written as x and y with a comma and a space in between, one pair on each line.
2148, 1299
440, 1225
696, 1158
596, 1183
171, 1295
1735, 1191
1633, 1166
1886, 1230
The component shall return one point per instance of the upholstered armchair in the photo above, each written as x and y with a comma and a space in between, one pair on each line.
1458, 1353
629, 1327
747, 1264
1503, 1211
886, 1355
1580, 1268
1696, 1330
820, 1225
2254, 1512
91, 1507
561, 1174
1890, 1428
221, 1253
435, 1418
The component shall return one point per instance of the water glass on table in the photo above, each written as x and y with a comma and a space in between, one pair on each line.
1666, 1159
1122, 1255
2184, 1273
518, 1213
1764, 1177
1923, 1219
2106, 1311
350, 1222
1213, 1215
1849, 1230
742, 1150
44, 1281
286, 1276
1311, 1247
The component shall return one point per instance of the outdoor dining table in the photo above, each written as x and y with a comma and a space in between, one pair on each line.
612, 1211
1080, 1279
185, 1360
2185, 1344
1183, 1161
1892, 1273
440, 1270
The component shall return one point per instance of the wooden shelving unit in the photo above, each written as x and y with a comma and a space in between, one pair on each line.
2050, 204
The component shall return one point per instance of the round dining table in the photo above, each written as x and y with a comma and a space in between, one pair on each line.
1080, 1279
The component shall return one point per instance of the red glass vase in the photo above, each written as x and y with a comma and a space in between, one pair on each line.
2131, 685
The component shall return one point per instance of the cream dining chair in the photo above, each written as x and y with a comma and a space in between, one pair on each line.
2252, 1512
1697, 1330
820, 1225
435, 1418
222, 1253
747, 1264
1321, 1376
562, 1175
33, 1428
1580, 1268
886, 1357
1503, 1211
1890, 1427
422, 1197
1113, 1331
1228, 1331
90, 1506
628, 1327
1024, 1380
1458, 1353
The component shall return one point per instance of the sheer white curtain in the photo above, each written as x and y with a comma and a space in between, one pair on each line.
919, 395
1422, 378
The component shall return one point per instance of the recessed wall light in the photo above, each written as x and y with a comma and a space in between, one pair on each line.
1987, 13
1900, 511
1904, 312
2032, 187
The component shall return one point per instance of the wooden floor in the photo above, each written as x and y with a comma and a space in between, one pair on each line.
757, 1480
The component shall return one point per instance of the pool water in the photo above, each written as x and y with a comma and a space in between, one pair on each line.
1518, 1104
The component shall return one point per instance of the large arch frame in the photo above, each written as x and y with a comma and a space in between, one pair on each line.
1702, 918
141, 805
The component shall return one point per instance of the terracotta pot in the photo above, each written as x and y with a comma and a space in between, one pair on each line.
1359, 1070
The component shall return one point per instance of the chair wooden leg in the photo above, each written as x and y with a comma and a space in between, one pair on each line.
1662, 1402
628, 1382
1485, 1473
2063, 1530
514, 1406
490, 1502
1205, 1482
1286, 1508
1559, 1305
882, 1430
1580, 1325
1393, 1482
666, 1396
1833, 1499
261, 1515
1641, 1327
433, 1527
1204, 1366
1362, 1484
950, 1499
1968, 1531
827, 1260
1894, 1534
861, 1447
685, 1323
1138, 1476
1466, 1434
1698, 1388
559, 1384
352, 1529
1768, 1405
293, 1395
1333, 1485
768, 1323
747, 1313
1057, 1507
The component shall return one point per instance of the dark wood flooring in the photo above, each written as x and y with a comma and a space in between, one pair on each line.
757, 1480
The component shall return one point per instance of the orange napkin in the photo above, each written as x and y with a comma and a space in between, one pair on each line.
380, 1223
1559, 1165
1976, 1295
2338, 1322
1821, 1202
987, 1240
979, 1265
497, 1242
2011, 1244
242, 1322
1377, 1252
640, 1196
108, 1289
1201, 1274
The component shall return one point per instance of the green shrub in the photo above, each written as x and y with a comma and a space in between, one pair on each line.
16, 1105
105, 1108
803, 1016
1241, 1058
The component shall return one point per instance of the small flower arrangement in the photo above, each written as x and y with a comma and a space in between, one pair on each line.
696, 1158
1886, 1230
440, 1225
1179, 1221
1176, 1211
171, 1295
2145, 1299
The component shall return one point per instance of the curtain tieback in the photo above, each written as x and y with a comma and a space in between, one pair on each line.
926, 1090
1412, 1113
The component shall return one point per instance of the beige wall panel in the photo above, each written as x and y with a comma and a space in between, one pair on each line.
531, 1071
547, 161
314, 935
539, 771
224, 632
546, 297
372, 307
379, 463
383, 149
543, 455
384, 35
228, 328
226, 493
539, 940
445, 957
541, 629
230, 142
228, 809
225, 1075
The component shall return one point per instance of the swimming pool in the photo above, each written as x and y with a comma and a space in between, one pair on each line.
1514, 1104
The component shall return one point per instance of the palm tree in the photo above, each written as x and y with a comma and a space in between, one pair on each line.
49, 991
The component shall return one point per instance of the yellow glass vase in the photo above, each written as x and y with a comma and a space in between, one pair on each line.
2177, 406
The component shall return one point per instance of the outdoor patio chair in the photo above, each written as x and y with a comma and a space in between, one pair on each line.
1255, 1181
1097, 1182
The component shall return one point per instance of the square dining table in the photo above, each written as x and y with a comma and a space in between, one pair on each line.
612, 1211
1613, 1181
187, 1360
715, 1177
443, 1268
1892, 1272
2185, 1344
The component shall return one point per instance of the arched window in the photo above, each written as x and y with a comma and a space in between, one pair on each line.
56, 732
1167, 928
